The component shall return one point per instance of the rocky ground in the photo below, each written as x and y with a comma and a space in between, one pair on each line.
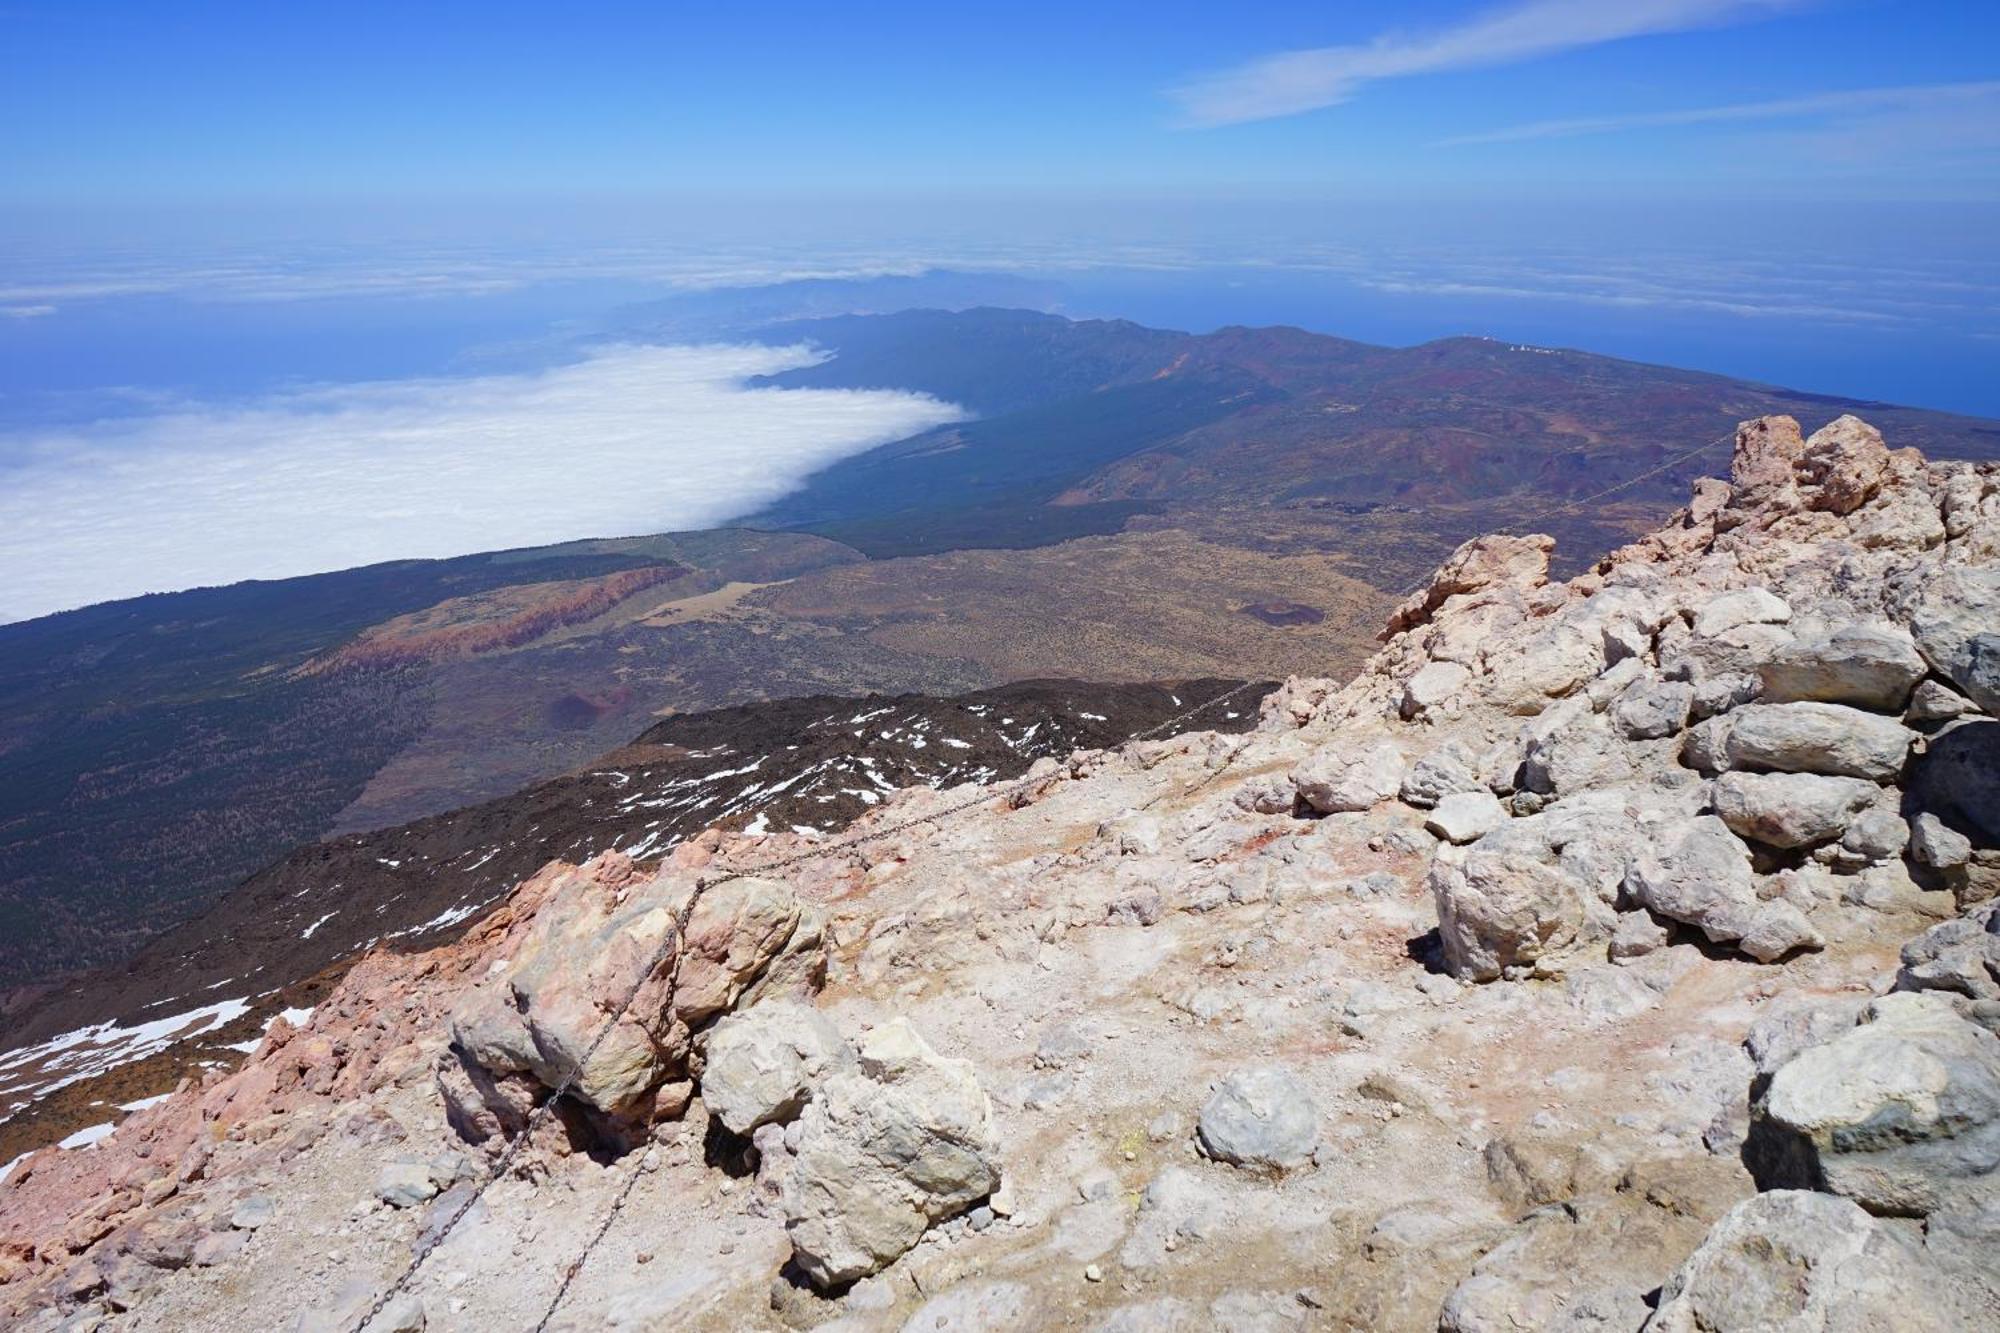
1610, 954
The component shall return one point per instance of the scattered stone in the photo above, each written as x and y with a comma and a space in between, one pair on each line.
1259, 1117
903, 1141
1336, 780
762, 1062
1868, 666
1648, 710
1790, 810
1818, 738
405, 1184
1465, 816
1901, 1114
1794, 1259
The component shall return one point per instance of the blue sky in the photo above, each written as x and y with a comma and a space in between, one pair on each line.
191, 103
259, 262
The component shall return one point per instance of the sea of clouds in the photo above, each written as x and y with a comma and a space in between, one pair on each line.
631, 439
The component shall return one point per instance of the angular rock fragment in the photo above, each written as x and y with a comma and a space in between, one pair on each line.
1869, 666
1956, 622
1338, 779
761, 1063
1901, 1114
1465, 816
1794, 1259
902, 1141
1818, 738
1503, 907
1790, 809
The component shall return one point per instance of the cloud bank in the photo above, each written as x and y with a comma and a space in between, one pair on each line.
635, 439
1292, 82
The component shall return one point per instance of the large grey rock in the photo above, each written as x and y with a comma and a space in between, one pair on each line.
1961, 956
405, 1184
1649, 710
1937, 844
1441, 773
1778, 929
1571, 749
1793, 1261
1790, 809
1956, 622
1338, 779
1507, 905
1818, 738
1259, 1117
1432, 686
1869, 666
885, 1150
1745, 606
762, 1063
1524, 676
532, 1021
1875, 835
1957, 780
1464, 816
1900, 1114
1697, 871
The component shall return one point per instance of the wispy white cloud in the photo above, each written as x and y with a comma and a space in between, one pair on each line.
1297, 81
26, 311
632, 440
1969, 105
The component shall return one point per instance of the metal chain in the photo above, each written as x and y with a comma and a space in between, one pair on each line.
540, 1115
986, 796
642, 1168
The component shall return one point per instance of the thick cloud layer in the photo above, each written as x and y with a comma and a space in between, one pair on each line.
634, 439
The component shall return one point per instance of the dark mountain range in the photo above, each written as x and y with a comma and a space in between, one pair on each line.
286, 933
1124, 502
1145, 421
705, 314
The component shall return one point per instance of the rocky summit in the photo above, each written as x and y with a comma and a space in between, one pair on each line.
1618, 953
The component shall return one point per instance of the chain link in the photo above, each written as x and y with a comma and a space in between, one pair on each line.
671, 942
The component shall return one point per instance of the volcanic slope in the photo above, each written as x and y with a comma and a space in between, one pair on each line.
1611, 954
284, 937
